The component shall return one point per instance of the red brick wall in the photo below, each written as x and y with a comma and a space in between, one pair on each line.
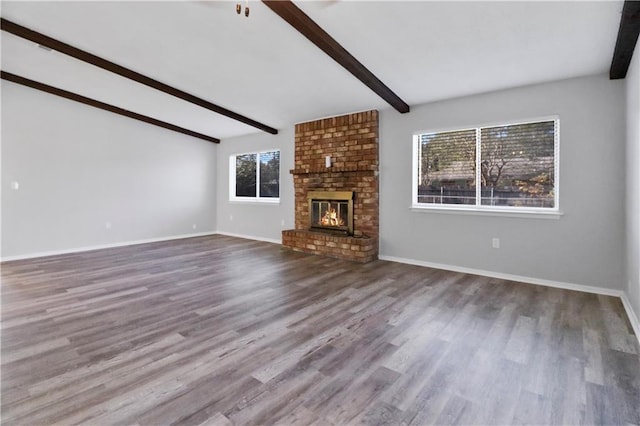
352, 142
343, 247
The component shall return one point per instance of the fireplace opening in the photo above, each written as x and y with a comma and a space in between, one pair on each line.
331, 211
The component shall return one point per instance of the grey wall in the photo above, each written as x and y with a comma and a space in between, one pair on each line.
585, 246
256, 220
633, 183
79, 167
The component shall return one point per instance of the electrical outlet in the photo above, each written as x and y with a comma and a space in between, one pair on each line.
230, 217
495, 243
15, 185
107, 225
282, 223
194, 226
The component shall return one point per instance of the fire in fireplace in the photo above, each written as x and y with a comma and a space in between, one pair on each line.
331, 211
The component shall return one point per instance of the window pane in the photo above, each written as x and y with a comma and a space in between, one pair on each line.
270, 174
246, 175
447, 168
517, 165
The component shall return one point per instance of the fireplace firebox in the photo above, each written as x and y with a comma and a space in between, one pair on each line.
331, 211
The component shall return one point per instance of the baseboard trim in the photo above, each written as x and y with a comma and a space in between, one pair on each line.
103, 246
633, 319
250, 237
503, 276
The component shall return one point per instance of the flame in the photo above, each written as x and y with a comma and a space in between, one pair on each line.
331, 218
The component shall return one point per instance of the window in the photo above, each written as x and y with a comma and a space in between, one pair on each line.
255, 176
512, 167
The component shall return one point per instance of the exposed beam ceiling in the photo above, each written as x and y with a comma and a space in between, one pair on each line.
627, 39
101, 105
307, 27
426, 51
82, 55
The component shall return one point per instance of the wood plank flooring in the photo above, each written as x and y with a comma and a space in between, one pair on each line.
219, 331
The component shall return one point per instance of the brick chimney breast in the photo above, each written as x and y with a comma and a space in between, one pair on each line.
352, 143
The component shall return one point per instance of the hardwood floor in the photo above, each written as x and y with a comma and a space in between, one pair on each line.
219, 330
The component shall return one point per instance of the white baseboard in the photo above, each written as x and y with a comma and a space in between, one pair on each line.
530, 280
131, 243
503, 276
103, 246
250, 237
633, 318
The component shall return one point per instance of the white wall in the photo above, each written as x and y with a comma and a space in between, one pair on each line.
257, 220
633, 182
585, 246
79, 167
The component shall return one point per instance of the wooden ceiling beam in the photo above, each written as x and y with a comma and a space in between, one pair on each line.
307, 27
97, 61
627, 39
101, 105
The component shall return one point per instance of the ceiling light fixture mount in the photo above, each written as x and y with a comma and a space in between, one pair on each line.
246, 8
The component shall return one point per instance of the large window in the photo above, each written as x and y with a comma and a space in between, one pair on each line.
510, 167
255, 176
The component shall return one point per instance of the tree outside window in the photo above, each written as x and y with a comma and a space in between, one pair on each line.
516, 167
255, 176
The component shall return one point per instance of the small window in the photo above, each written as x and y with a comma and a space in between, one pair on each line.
255, 176
510, 167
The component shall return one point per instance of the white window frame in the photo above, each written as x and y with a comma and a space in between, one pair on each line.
478, 208
232, 179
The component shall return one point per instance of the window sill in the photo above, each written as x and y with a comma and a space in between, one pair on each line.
257, 201
528, 214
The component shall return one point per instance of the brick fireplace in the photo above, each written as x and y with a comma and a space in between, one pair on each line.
352, 143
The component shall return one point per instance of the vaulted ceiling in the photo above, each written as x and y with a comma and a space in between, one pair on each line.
262, 68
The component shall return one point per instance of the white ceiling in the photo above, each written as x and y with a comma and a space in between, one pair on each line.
264, 69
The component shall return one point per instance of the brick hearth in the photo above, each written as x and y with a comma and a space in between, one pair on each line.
352, 142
